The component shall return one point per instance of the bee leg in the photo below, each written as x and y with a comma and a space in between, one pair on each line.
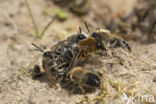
126, 45
36, 73
82, 89
84, 92
115, 43
60, 75
52, 84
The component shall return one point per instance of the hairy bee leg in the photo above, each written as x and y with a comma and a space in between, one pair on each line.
52, 84
71, 65
119, 43
60, 75
73, 62
36, 72
127, 46
83, 92
37, 75
115, 43
82, 89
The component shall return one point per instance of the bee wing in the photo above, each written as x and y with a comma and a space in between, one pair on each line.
53, 48
73, 62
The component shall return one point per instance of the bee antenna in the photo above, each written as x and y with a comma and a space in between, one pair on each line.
87, 26
80, 30
37, 48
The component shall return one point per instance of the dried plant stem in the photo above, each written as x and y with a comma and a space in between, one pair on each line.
47, 26
32, 18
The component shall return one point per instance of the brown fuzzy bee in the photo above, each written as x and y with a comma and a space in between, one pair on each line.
58, 60
109, 40
68, 54
80, 72
85, 78
87, 48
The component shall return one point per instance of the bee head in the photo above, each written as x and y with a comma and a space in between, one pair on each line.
46, 57
76, 38
47, 54
81, 37
101, 35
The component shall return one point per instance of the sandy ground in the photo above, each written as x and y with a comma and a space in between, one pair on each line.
16, 36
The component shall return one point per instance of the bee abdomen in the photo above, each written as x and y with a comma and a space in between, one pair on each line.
91, 80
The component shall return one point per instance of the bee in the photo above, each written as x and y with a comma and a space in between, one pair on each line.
57, 61
87, 49
85, 78
68, 54
90, 45
109, 40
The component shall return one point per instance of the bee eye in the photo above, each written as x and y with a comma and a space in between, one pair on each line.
47, 54
81, 37
94, 35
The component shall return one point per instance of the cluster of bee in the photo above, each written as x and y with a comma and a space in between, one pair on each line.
66, 60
